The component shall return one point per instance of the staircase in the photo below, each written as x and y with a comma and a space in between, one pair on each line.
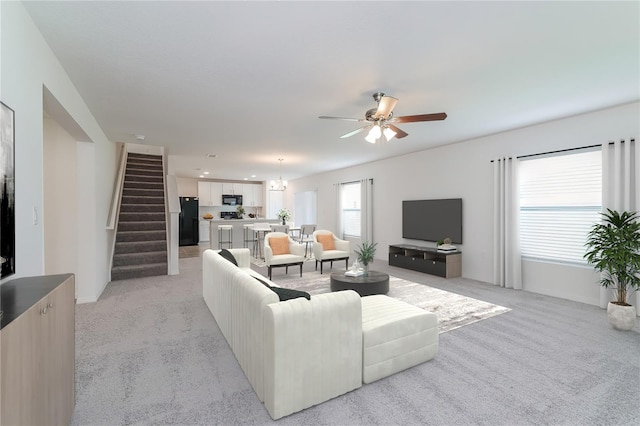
141, 239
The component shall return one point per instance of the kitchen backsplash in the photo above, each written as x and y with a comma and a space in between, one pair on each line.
215, 211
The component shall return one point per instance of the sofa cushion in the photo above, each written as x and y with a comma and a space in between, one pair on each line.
327, 241
285, 293
228, 255
279, 245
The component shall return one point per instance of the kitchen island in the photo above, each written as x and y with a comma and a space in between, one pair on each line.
238, 230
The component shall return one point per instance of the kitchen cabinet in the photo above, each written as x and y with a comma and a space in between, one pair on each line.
210, 193
37, 350
204, 231
252, 195
216, 194
204, 194
229, 188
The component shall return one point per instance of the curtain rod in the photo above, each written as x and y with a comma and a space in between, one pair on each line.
564, 150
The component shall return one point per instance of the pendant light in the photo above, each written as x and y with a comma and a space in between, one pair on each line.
278, 185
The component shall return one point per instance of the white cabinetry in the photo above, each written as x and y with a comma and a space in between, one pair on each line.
216, 195
204, 193
204, 231
210, 193
252, 195
232, 188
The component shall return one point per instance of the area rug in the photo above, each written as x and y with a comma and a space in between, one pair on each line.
261, 263
453, 310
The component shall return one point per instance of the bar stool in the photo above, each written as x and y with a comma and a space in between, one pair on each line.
225, 235
250, 237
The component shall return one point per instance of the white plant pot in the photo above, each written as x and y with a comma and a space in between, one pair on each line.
621, 317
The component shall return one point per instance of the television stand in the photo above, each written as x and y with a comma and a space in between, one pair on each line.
426, 259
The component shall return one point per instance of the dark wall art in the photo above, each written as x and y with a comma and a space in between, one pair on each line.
7, 195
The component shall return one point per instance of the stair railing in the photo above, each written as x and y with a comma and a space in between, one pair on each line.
116, 197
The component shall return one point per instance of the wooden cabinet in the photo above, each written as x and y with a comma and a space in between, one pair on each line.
426, 259
37, 351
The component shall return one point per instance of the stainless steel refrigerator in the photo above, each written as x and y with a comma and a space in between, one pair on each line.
189, 221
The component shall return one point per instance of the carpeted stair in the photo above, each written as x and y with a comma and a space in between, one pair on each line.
141, 240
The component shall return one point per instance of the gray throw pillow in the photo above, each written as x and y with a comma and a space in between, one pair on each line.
228, 255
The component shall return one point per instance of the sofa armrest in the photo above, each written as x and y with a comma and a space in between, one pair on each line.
295, 248
268, 254
343, 245
316, 248
243, 257
312, 351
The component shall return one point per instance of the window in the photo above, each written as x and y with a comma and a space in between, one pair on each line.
560, 199
350, 203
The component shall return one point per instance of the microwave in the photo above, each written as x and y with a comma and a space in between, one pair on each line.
232, 200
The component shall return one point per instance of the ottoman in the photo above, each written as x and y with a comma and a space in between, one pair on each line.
395, 336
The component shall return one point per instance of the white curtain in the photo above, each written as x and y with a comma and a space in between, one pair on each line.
507, 267
338, 195
366, 210
620, 188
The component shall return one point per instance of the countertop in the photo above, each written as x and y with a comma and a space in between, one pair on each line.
18, 295
245, 220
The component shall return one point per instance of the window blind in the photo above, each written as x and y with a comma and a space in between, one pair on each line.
351, 209
560, 200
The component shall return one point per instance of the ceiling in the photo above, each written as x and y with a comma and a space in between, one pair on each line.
246, 81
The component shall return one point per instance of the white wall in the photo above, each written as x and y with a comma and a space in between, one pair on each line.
468, 170
187, 187
60, 209
28, 65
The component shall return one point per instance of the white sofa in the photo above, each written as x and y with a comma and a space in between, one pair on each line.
296, 353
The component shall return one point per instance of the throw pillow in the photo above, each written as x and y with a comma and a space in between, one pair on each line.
327, 241
229, 256
266, 284
279, 245
285, 293
289, 293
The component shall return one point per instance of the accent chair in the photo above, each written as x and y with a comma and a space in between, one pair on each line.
329, 248
280, 250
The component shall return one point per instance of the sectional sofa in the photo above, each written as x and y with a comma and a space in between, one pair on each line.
301, 352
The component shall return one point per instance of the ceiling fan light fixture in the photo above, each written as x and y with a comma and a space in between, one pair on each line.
374, 134
389, 133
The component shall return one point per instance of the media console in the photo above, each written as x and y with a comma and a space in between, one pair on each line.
426, 259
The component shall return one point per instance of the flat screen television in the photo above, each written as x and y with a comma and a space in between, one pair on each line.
432, 220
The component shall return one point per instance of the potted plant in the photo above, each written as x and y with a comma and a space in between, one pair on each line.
613, 248
240, 211
365, 254
284, 215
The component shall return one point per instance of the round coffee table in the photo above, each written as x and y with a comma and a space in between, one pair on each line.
374, 283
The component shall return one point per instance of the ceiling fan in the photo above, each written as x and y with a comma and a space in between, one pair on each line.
381, 120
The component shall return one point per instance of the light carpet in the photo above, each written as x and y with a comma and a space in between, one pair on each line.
453, 310
150, 353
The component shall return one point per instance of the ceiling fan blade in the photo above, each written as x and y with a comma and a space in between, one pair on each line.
420, 117
355, 132
399, 132
324, 117
385, 106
